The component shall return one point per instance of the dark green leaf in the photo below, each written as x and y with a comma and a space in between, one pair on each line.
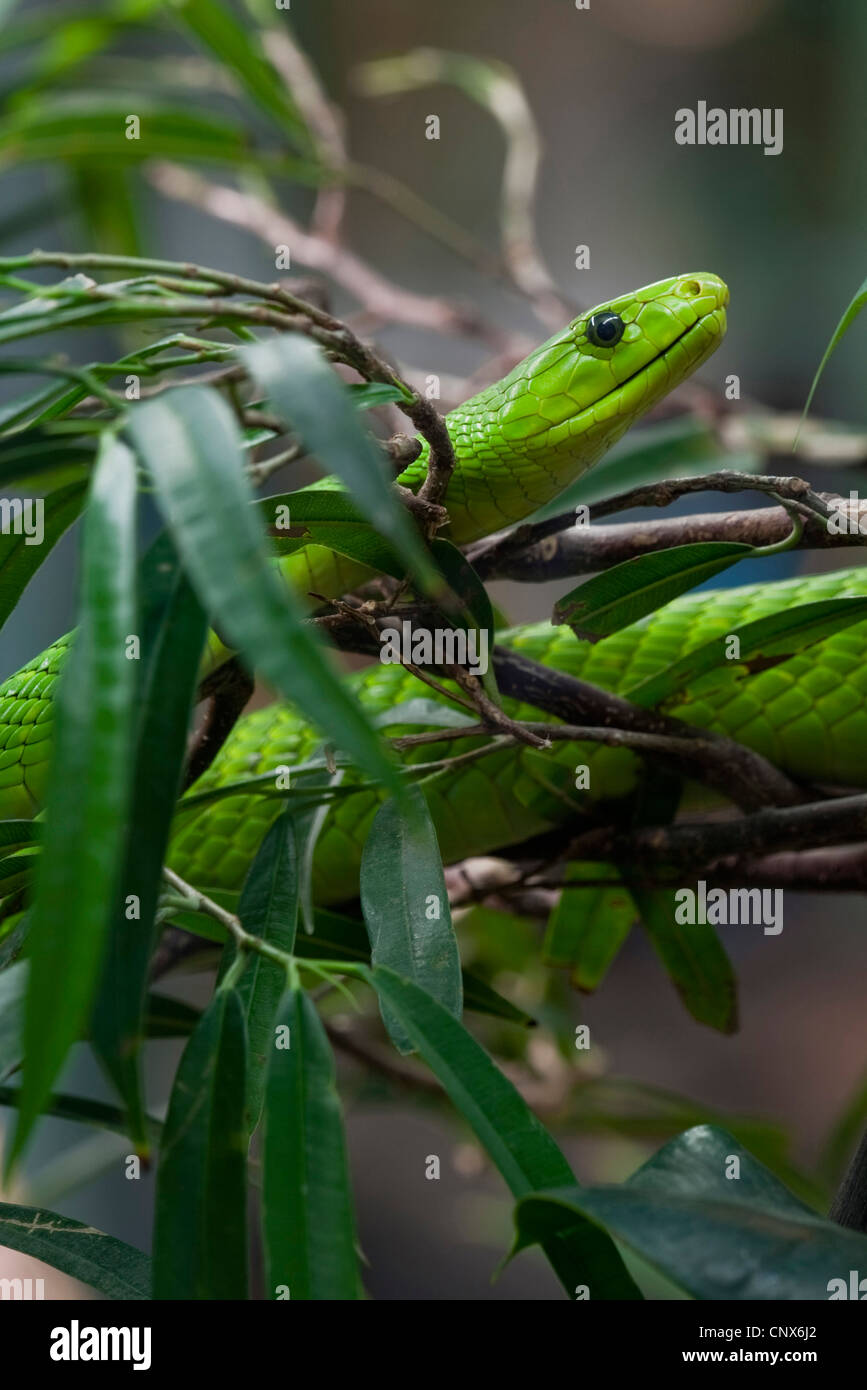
40, 454
589, 924
200, 1234
304, 389
20, 557
13, 989
110, 1266
80, 1110
473, 606
88, 790
336, 937
629, 591
18, 832
717, 1236
268, 908
171, 627
237, 49
406, 906
189, 441
307, 1222
169, 1018
693, 956
522, 1149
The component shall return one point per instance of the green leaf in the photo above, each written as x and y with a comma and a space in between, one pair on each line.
427, 713
327, 516
474, 605
20, 557
107, 205
40, 454
780, 635
402, 885
692, 955
200, 1233
367, 395
236, 49
19, 832
110, 1266
189, 441
92, 125
308, 822
13, 989
629, 591
716, 1237
480, 998
81, 1110
304, 389
268, 908
88, 790
850, 314
589, 925
337, 937
169, 1018
515, 1140
308, 1228
171, 627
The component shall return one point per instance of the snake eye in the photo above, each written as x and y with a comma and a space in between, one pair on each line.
605, 329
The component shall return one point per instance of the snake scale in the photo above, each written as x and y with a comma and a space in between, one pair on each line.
518, 444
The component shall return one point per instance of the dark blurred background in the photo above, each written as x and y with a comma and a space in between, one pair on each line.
787, 234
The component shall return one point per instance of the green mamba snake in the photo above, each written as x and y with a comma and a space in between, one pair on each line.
518, 444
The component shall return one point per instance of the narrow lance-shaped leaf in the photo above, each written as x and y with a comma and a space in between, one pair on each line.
88, 792
522, 1149
631, 590
304, 389
110, 1266
21, 554
189, 441
337, 937
235, 47
850, 314
693, 956
92, 125
406, 906
589, 924
473, 608
200, 1233
171, 628
307, 1219
268, 908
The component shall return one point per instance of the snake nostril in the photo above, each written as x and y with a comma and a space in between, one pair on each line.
691, 288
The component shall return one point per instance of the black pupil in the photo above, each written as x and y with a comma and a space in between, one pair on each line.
605, 329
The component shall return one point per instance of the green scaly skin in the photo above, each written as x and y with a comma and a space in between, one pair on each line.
518, 444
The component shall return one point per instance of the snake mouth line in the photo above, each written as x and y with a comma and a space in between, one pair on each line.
701, 324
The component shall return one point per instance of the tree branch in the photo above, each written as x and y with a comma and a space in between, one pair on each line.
489, 554
586, 550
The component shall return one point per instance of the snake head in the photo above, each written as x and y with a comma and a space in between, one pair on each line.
591, 381
524, 439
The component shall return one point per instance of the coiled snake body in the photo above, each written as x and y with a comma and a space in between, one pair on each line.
518, 444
